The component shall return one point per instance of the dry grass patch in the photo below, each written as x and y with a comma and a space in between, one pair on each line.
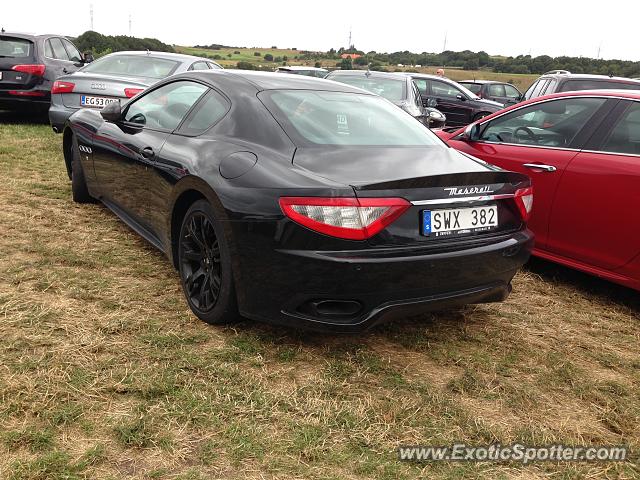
104, 373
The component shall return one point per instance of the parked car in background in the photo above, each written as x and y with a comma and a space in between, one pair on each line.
302, 70
460, 105
29, 64
399, 90
564, 81
299, 201
582, 152
500, 92
115, 77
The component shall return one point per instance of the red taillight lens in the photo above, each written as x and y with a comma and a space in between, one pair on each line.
27, 93
524, 201
37, 70
60, 86
132, 92
350, 218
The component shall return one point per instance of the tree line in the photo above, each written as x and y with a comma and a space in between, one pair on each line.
101, 45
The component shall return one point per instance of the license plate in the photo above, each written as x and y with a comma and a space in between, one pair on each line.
97, 102
453, 221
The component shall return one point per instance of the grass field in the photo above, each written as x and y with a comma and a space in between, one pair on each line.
230, 59
105, 374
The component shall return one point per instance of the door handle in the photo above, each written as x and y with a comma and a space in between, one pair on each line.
147, 152
540, 166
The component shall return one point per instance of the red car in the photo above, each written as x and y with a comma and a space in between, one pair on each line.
582, 152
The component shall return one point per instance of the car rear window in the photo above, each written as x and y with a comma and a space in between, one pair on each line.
342, 118
133, 65
587, 84
389, 88
473, 87
15, 47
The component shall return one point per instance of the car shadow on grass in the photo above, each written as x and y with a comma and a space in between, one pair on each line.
24, 117
590, 285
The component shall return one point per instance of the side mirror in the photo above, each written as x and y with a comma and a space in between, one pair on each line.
461, 97
471, 133
88, 57
112, 112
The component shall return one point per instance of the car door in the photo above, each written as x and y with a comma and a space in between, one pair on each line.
124, 151
451, 101
495, 92
63, 63
538, 140
595, 217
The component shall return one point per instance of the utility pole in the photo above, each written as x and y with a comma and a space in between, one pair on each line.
350, 44
129, 24
599, 47
444, 46
91, 15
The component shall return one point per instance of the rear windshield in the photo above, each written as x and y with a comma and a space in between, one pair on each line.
133, 65
15, 47
473, 87
587, 84
339, 118
389, 88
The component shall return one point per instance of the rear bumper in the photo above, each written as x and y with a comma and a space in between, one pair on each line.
353, 291
25, 97
58, 115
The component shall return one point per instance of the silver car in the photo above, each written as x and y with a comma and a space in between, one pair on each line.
115, 77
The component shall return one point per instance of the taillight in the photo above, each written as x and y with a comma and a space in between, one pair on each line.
524, 201
60, 86
27, 93
132, 92
37, 70
350, 218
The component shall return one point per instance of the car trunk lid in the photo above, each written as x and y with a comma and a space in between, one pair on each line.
102, 86
15, 51
434, 179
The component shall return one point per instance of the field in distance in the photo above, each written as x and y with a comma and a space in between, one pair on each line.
229, 58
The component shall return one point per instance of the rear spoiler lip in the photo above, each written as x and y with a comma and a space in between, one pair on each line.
477, 198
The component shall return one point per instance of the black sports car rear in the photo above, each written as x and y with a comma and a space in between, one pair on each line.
299, 201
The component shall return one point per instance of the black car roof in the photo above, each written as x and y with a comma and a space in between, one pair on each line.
274, 81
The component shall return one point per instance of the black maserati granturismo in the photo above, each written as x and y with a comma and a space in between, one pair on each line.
300, 201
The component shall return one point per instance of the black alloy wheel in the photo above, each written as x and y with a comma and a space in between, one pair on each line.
205, 266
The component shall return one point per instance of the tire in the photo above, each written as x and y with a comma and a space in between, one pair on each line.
480, 115
204, 263
79, 191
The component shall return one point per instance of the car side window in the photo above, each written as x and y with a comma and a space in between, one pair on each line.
496, 90
59, 51
511, 92
625, 136
74, 54
213, 66
444, 89
207, 113
550, 87
474, 87
553, 124
165, 107
48, 51
199, 66
417, 98
421, 83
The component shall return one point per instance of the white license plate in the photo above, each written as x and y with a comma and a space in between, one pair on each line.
459, 220
97, 102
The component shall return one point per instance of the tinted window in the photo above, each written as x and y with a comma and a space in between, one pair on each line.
133, 65
165, 107
337, 118
389, 88
625, 136
587, 84
211, 109
511, 92
74, 54
553, 123
474, 87
496, 90
59, 51
15, 47
443, 89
